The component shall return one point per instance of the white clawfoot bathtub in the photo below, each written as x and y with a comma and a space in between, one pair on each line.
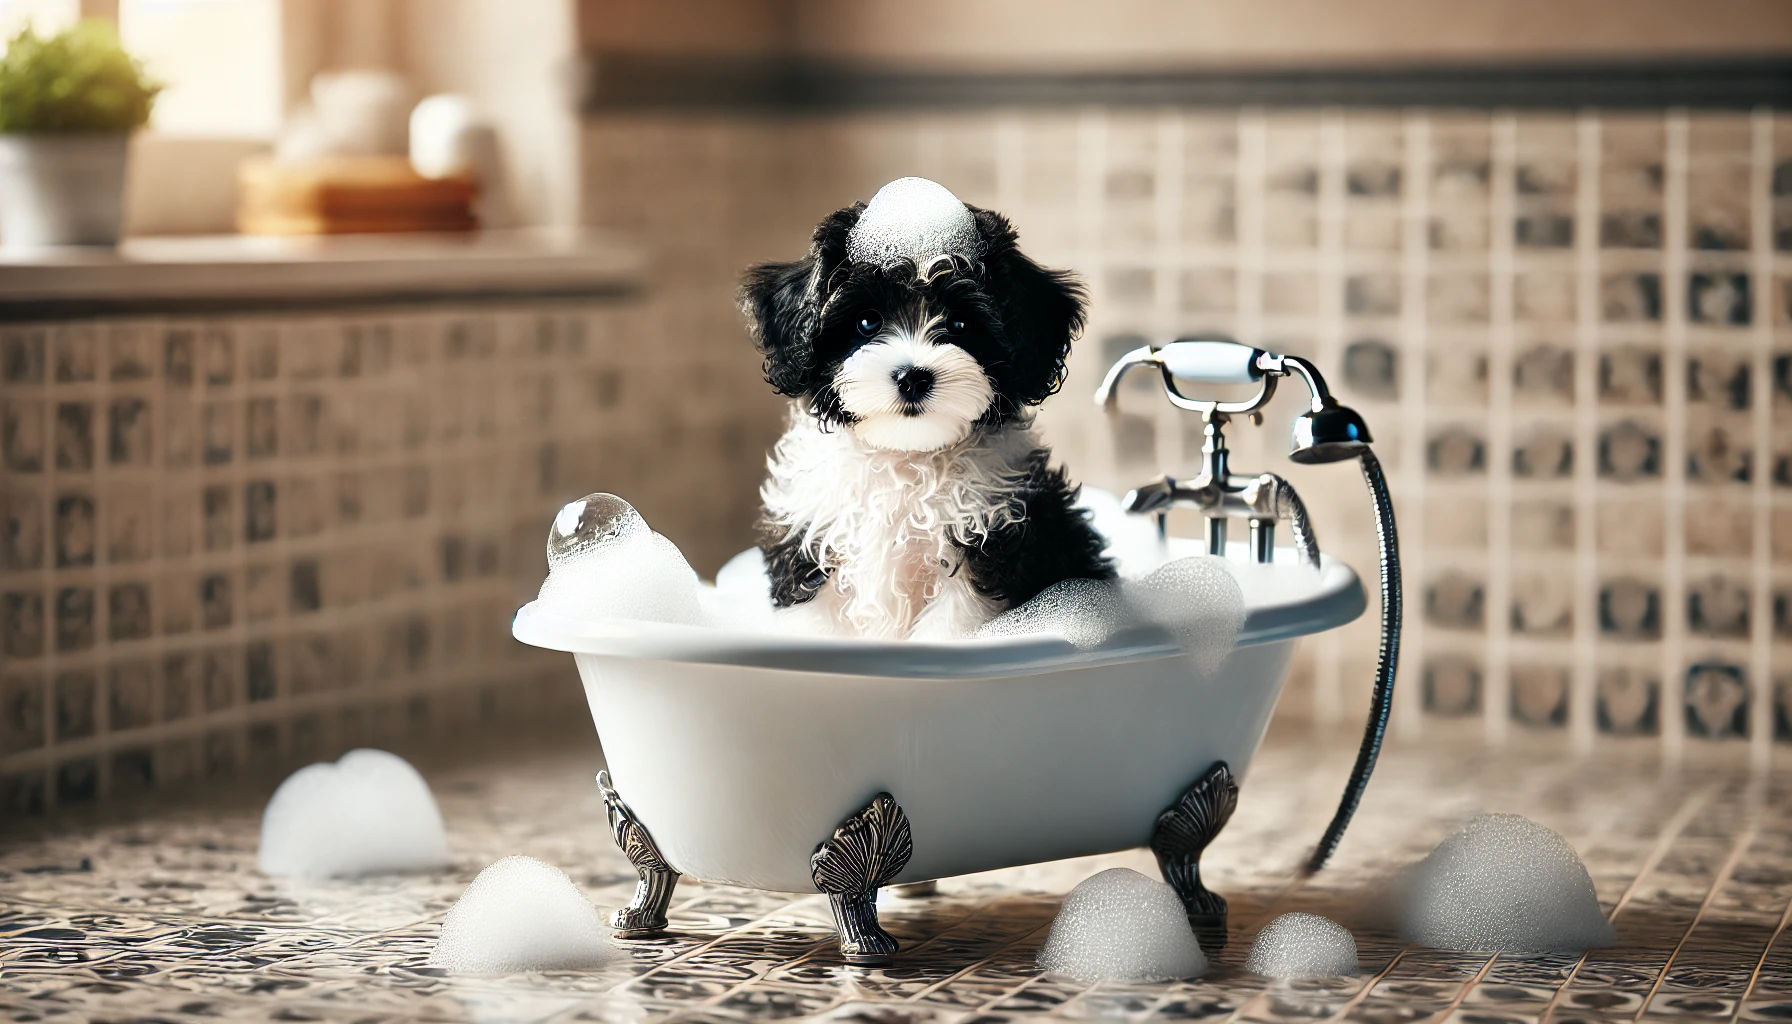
740, 752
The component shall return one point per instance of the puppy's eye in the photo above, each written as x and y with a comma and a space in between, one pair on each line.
956, 325
870, 323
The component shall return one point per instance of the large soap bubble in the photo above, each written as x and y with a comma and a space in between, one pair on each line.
1084, 612
1197, 601
369, 813
1298, 945
519, 915
1503, 883
592, 524
1119, 925
604, 563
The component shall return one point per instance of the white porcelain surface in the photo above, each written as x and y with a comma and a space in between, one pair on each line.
742, 752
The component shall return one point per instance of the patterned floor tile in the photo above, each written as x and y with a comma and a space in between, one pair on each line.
165, 917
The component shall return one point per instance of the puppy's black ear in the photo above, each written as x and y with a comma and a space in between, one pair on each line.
1041, 310
783, 301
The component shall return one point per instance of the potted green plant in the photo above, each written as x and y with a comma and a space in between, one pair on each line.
68, 105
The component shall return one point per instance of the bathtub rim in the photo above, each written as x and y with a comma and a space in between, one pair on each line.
1336, 598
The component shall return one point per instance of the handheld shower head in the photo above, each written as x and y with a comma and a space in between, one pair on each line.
1329, 433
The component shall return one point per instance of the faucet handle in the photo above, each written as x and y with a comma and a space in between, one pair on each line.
1211, 361
1156, 496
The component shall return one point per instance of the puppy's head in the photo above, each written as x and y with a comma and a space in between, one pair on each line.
913, 320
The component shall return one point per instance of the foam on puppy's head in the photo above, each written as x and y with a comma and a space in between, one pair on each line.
913, 219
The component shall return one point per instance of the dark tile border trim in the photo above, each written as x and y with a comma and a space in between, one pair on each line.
617, 82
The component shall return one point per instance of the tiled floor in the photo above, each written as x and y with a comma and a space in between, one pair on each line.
165, 917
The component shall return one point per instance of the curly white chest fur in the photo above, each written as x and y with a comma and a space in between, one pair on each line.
891, 525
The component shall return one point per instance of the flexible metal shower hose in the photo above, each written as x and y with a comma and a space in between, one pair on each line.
1389, 661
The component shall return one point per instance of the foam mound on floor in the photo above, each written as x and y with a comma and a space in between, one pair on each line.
1119, 925
1502, 883
368, 813
522, 914
1298, 945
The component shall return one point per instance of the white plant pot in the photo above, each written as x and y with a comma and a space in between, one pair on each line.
61, 189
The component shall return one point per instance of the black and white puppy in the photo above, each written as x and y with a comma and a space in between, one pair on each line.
910, 496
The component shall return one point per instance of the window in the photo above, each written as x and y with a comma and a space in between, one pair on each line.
220, 60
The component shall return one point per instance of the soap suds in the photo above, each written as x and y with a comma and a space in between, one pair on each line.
1085, 612
1298, 945
365, 814
519, 915
1503, 883
605, 563
1120, 925
1196, 601
913, 219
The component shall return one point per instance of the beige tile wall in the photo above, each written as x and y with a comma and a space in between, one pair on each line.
1568, 332
236, 541
230, 543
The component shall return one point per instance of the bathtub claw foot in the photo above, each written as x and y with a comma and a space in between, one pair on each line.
645, 915
1182, 834
865, 853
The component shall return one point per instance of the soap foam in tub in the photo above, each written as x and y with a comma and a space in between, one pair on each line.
1119, 925
519, 915
1196, 600
1085, 612
1298, 945
368, 813
1503, 883
604, 562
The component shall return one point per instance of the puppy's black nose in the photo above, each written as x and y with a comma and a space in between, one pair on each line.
914, 383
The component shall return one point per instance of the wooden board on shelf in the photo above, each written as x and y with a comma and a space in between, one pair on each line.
344, 195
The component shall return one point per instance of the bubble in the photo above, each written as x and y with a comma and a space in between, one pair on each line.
1085, 612
367, 813
1198, 601
1300, 945
521, 914
913, 219
1119, 925
591, 523
636, 575
1503, 883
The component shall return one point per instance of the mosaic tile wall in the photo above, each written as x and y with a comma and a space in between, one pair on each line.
1570, 334
233, 543
229, 543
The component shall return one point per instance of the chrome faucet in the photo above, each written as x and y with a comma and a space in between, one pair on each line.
1326, 432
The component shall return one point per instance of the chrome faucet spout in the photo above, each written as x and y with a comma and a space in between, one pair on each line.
1106, 395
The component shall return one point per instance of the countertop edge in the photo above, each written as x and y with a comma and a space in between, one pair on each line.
154, 275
